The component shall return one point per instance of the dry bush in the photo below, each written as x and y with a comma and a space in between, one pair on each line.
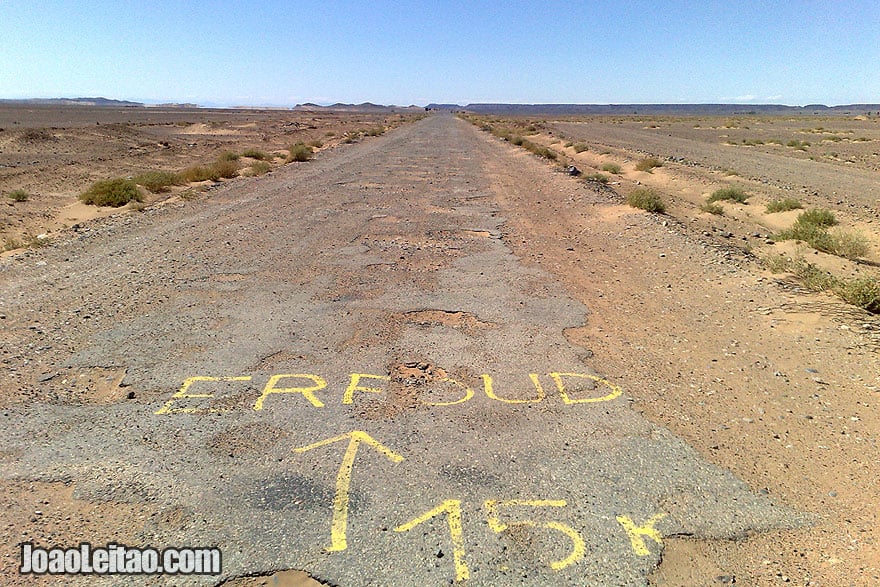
111, 192
646, 199
648, 163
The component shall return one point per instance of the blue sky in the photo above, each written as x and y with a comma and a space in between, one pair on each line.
268, 52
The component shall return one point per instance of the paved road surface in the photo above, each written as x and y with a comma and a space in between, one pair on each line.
341, 368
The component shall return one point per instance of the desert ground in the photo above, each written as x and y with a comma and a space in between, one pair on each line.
554, 387
55, 153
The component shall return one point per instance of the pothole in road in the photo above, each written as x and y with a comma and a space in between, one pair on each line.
414, 384
289, 578
87, 386
479, 233
464, 321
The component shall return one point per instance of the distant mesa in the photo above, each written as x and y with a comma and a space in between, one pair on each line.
658, 109
94, 102
364, 107
77, 102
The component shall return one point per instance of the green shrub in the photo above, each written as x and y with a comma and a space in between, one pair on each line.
157, 181
732, 194
376, 131
255, 154
600, 177
611, 168
300, 152
648, 163
799, 145
863, 292
18, 196
516, 140
316, 144
783, 205
228, 156
816, 236
817, 217
712, 209
646, 199
580, 147
111, 192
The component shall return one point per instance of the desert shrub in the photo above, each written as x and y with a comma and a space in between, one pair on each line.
863, 292
646, 199
317, 144
811, 227
611, 168
810, 275
255, 154
111, 192
18, 196
539, 150
783, 205
849, 245
516, 140
648, 163
228, 156
157, 181
816, 236
732, 194
258, 168
817, 217
226, 168
351, 137
376, 131
580, 147
799, 145
198, 173
712, 209
600, 177
300, 152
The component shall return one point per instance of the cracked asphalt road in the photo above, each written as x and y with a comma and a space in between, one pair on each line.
342, 368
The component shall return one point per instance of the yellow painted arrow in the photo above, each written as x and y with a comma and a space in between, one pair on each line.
339, 525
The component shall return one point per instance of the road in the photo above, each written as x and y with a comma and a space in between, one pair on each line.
342, 367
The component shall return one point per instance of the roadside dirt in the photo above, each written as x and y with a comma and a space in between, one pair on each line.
763, 378
55, 153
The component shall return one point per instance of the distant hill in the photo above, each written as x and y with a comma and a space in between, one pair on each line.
365, 107
76, 102
659, 109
